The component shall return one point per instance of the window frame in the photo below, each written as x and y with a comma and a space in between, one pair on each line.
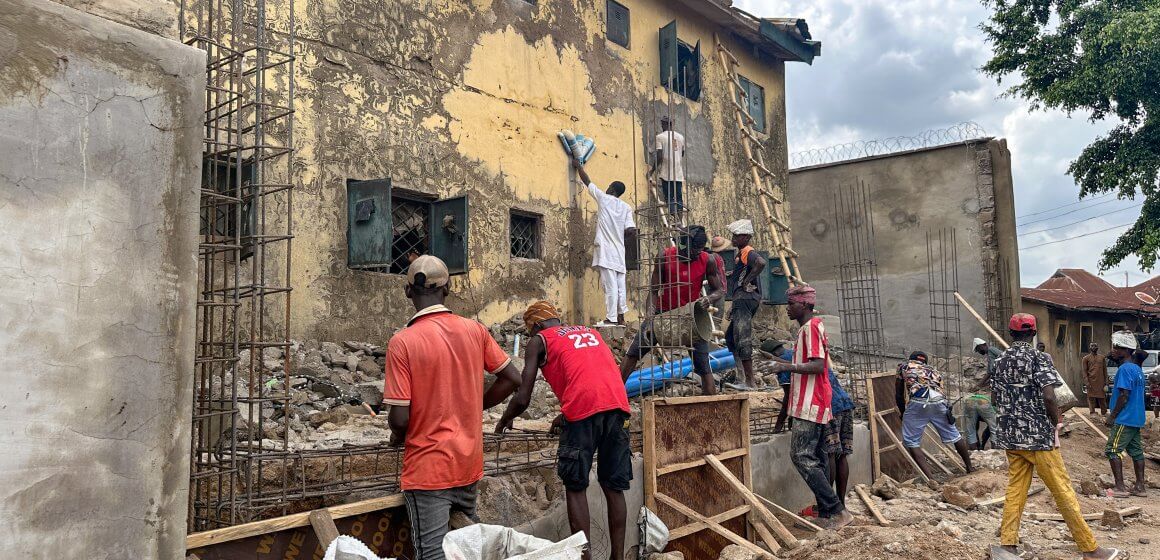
669, 62
1091, 328
1061, 328
748, 87
537, 233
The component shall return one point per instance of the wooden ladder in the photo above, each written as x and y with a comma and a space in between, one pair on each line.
769, 193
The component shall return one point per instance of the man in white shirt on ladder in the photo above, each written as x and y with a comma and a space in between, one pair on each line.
613, 223
670, 162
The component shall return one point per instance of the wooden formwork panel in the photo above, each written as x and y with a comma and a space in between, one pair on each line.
678, 434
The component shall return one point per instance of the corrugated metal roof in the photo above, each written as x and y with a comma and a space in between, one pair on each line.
1074, 288
784, 38
1078, 280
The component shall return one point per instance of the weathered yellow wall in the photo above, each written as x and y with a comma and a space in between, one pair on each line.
448, 97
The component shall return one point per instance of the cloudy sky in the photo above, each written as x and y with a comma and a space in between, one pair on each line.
900, 67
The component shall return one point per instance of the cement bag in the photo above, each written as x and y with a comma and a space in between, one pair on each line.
654, 534
1065, 399
496, 542
349, 548
577, 145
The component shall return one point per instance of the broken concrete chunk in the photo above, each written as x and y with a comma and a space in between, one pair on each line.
954, 495
735, 552
1089, 488
335, 416
675, 555
885, 488
1112, 519
351, 363
368, 366
1107, 481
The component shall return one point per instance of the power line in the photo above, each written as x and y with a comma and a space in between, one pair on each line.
1068, 212
1076, 236
1082, 221
1064, 206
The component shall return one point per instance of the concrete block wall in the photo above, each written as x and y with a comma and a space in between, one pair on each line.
100, 144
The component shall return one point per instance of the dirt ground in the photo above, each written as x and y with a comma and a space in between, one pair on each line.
924, 526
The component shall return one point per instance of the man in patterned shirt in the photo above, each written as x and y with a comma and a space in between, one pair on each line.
1023, 388
922, 401
810, 405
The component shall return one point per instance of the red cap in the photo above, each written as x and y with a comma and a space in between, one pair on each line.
1022, 322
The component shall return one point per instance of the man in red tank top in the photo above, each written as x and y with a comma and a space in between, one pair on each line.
679, 278
579, 367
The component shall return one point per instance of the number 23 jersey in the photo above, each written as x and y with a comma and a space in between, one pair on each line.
579, 367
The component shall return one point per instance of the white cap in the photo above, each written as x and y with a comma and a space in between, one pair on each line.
977, 341
740, 227
1124, 339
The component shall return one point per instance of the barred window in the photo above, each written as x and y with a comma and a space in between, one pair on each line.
409, 227
525, 235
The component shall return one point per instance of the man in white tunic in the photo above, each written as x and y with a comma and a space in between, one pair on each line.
613, 222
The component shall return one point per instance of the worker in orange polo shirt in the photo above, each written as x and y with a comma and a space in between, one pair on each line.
434, 386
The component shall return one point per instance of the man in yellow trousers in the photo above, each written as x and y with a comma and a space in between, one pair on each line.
1023, 385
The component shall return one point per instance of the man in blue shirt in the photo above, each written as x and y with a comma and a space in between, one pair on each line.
840, 437
1127, 415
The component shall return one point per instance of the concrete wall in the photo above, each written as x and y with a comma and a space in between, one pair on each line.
1067, 354
967, 187
99, 166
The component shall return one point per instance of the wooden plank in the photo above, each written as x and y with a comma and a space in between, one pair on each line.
805, 523
766, 516
206, 538
951, 456
1126, 512
670, 401
894, 438
699, 462
875, 460
932, 459
866, 499
650, 452
982, 322
713, 526
324, 527
459, 520
1089, 423
995, 501
747, 465
686, 530
764, 534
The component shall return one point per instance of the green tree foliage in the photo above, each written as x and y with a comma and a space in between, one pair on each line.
1101, 57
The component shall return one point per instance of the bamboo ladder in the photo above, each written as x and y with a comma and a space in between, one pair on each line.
768, 192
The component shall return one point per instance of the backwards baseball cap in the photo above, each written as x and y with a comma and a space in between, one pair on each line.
433, 271
1022, 322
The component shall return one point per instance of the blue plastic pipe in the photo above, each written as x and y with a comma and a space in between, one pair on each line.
649, 379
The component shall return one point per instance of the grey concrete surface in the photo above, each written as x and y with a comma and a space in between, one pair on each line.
966, 187
100, 163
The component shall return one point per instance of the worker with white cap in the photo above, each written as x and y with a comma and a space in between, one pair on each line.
977, 405
1128, 415
747, 266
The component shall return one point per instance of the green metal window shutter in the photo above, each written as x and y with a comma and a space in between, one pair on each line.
777, 284
617, 28
368, 223
449, 233
668, 54
632, 250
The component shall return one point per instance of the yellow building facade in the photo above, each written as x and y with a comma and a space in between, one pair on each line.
453, 101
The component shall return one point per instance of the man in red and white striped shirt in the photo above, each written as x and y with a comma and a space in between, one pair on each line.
809, 403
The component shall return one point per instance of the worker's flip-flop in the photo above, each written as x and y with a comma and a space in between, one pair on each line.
1118, 554
1140, 493
1120, 494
